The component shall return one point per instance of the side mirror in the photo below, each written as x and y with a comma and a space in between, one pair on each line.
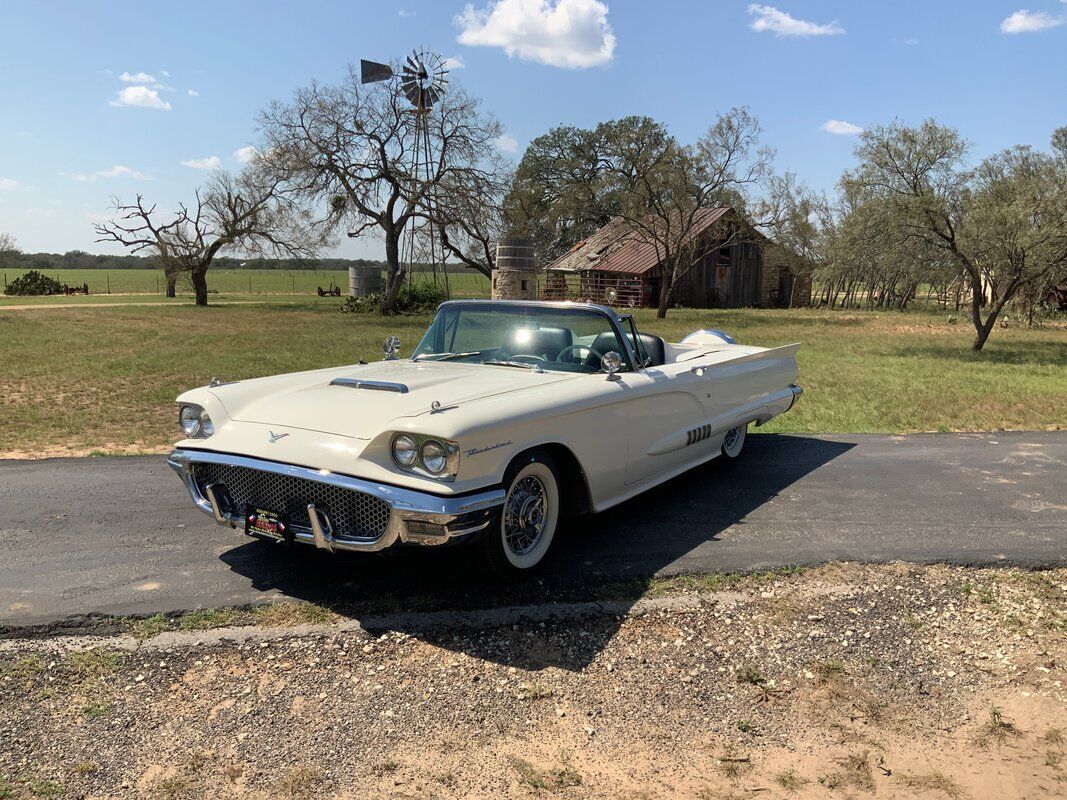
391, 347
611, 363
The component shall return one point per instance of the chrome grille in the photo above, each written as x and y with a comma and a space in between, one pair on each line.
352, 514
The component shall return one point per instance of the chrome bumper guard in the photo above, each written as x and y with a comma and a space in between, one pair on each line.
415, 517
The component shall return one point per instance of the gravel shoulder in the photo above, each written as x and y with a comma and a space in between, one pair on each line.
845, 680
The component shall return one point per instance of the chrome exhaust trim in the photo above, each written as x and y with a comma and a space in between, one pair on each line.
216, 509
320, 528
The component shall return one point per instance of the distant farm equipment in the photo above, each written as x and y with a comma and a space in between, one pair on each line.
333, 290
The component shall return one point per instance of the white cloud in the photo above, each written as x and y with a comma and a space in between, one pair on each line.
192, 92
117, 171
454, 62
165, 74
211, 162
561, 33
40, 212
405, 13
769, 18
140, 97
138, 77
1024, 21
8, 183
245, 154
906, 42
841, 128
506, 143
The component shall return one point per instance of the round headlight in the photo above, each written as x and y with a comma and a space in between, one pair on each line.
207, 427
434, 457
189, 418
405, 451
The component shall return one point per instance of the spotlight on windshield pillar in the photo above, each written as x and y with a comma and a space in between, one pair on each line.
391, 347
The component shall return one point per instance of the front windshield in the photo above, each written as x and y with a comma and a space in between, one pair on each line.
559, 339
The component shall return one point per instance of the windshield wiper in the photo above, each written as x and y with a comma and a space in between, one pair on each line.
523, 364
447, 356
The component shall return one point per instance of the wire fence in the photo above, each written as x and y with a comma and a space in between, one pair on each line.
231, 281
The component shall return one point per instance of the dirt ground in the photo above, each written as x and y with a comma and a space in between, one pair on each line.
846, 681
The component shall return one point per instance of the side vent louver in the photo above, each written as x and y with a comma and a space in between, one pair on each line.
697, 435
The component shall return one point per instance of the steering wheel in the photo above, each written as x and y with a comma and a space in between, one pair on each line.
524, 357
581, 359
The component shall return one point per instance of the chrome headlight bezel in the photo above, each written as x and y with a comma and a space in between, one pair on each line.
409, 445
202, 427
418, 466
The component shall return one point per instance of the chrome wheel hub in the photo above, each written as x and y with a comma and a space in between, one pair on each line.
524, 515
730, 440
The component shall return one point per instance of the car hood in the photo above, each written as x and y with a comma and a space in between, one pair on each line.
315, 401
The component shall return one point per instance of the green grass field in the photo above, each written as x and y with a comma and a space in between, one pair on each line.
103, 379
226, 281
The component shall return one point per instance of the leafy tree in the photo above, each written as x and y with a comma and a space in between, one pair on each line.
1002, 226
634, 169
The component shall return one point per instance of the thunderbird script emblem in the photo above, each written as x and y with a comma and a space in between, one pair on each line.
273, 437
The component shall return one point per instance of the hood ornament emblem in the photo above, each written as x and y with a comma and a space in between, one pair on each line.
272, 437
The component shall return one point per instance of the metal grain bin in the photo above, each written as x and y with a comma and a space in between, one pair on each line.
364, 280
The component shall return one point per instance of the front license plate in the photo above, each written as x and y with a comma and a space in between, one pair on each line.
266, 524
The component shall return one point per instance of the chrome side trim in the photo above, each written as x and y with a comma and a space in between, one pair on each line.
405, 503
797, 392
380, 386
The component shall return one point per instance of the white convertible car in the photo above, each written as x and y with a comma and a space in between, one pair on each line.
506, 416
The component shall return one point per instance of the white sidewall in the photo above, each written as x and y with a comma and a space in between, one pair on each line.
548, 480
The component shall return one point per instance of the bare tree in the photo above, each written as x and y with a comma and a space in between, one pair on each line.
8, 249
353, 148
246, 214
470, 219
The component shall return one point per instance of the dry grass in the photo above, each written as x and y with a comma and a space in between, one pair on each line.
301, 783
997, 728
935, 782
550, 780
121, 367
790, 781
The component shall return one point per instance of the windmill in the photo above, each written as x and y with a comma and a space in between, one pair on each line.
423, 80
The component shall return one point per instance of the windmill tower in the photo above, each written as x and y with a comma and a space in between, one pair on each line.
423, 80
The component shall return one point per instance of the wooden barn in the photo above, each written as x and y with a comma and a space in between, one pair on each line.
737, 267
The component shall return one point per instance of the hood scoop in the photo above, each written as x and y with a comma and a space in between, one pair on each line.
377, 386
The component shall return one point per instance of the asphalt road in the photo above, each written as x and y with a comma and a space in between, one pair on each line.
120, 536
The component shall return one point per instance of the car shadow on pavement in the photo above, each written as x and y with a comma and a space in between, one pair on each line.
605, 556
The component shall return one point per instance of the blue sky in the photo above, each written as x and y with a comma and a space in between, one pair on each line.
101, 99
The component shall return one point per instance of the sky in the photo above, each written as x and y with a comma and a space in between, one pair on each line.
104, 99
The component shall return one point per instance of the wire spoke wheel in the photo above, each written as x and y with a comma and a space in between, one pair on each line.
525, 515
528, 518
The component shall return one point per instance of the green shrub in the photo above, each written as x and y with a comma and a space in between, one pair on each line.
34, 283
419, 299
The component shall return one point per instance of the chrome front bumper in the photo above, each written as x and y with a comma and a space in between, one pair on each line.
414, 517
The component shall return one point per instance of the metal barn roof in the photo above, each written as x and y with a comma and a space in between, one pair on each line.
617, 248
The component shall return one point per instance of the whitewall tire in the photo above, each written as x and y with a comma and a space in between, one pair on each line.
528, 518
733, 442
